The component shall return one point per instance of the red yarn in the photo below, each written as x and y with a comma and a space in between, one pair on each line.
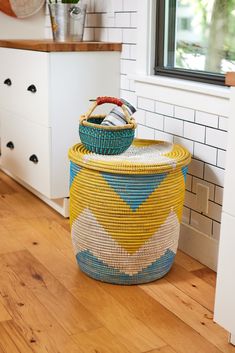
112, 100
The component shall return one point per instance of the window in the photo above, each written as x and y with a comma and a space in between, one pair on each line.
195, 39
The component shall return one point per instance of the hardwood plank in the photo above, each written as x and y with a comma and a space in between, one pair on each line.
189, 311
207, 275
42, 249
23, 203
55, 233
192, 285
12, 184
71, 314
4, 314
40, 330
187, 262
1, 350
166, 349
130, 331
176, 333
11, 341
5, 208
5, 188
26, 205
100, 340
7, 243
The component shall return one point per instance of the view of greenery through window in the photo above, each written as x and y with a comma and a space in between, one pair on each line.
205, 35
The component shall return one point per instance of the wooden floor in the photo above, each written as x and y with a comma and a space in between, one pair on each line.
48, 306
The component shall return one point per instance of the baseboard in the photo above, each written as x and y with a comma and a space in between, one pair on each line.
199, 246
232, 339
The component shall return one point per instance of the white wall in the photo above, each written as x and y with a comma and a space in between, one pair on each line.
27, 28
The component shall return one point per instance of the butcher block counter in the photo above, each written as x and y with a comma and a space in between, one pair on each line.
51, 46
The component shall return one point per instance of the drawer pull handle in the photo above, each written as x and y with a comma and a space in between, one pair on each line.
8, 82
33, 158
32, 89
10, 145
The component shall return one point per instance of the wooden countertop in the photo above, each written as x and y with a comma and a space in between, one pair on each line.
51, 46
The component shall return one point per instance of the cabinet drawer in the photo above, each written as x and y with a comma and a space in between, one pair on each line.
24, 83
25, 152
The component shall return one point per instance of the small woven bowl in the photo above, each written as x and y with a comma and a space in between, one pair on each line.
103, 139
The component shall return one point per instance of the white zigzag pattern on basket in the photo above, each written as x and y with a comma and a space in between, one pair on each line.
88, 234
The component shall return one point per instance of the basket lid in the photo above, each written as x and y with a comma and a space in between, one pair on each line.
143, 157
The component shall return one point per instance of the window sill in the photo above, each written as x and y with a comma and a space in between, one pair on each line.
184, 85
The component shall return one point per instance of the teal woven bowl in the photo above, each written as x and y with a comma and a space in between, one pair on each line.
102, 141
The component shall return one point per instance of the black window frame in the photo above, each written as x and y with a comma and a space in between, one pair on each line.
160, 68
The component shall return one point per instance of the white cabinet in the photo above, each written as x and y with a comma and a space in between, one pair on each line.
42, 95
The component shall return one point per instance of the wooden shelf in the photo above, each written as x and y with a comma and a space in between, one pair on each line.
51, 46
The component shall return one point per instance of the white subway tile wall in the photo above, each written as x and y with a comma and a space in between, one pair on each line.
189, 144
164, 108
219, 195
201, 222
174, 126
207, 119
154, 120
186, 215
216, 138
194, 132
205, 153
184, 113
223, 123
216, 230
189, 180
202, 133
221, 158
147, 104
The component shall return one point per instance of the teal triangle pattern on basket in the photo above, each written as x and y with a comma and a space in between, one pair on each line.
134, 189
97, 269
184, 171
74, 170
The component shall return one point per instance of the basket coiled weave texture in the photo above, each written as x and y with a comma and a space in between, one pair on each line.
125, 216
106, 140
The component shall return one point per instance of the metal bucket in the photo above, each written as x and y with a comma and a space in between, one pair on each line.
67, 21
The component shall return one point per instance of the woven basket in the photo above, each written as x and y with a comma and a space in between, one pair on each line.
103, 139
125, 210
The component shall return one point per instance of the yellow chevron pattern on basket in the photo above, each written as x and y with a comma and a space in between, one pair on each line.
130, 229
